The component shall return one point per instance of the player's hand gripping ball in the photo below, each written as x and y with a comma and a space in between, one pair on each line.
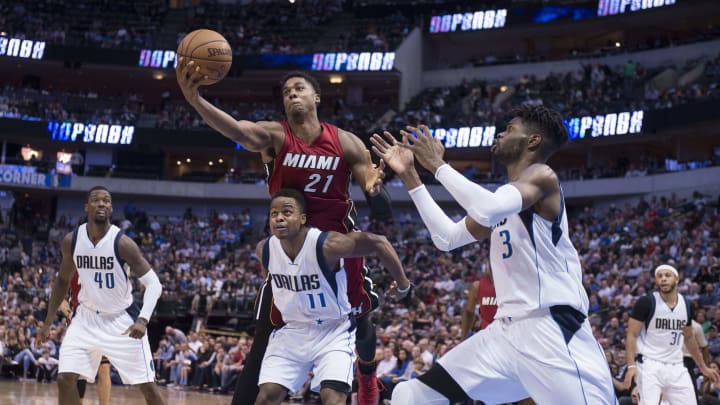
210, 51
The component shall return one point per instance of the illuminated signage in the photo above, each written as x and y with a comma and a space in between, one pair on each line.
23, 175
479, 20
465, 137
594, 126
22, 48
613, 7
157, 58
91, 133
348, 61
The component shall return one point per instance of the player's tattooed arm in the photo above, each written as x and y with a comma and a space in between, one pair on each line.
357, 244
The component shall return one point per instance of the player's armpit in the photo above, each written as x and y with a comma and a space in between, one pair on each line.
131, 254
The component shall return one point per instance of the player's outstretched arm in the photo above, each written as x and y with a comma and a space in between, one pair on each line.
252, 136
60, 288
446, 234
357, 244
487, 208
140, 268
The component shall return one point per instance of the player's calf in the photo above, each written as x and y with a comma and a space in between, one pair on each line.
67, 389
151, 393
271, 394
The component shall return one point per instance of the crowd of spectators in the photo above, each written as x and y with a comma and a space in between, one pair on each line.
210, 264
98, 23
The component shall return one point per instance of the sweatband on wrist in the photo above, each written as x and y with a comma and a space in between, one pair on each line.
153, 290
482, 205
445, 233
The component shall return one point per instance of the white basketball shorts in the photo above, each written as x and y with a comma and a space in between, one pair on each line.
92, 335
328, 350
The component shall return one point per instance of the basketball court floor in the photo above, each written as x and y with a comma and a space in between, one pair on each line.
33, 393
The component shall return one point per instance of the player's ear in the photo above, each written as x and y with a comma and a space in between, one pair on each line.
535, 141
303, 218
317, 99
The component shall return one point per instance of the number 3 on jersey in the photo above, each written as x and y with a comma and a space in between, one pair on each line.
506, 242
315, 179
109, 280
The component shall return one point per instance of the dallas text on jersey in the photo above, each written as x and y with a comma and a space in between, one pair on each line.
95, 262
296, 283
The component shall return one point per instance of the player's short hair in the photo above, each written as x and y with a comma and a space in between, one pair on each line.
547, 122
298, 73
95, 188
294, 194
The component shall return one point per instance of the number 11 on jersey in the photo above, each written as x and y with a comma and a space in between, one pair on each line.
321, 299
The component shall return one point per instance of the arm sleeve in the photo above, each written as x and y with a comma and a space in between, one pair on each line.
153, 289
446, 234
482, 205
641, 310
380, 205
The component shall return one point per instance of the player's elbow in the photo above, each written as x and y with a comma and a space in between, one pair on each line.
441, 243
486, 217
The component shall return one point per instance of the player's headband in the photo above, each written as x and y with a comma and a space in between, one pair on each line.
672, 269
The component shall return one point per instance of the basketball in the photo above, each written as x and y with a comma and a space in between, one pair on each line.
210, 50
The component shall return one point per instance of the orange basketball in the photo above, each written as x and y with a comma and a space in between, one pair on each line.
210, 50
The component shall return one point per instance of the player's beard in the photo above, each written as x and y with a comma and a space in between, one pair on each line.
669, 288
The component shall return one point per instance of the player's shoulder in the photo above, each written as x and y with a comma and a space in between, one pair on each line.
542, 172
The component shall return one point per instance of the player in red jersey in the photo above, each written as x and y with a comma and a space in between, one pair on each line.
317, 159
103, 377
482, 292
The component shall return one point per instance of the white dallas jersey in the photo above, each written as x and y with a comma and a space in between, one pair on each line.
104, 283
535, 265
306, 289
662, 337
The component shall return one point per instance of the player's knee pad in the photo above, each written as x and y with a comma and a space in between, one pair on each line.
415, 392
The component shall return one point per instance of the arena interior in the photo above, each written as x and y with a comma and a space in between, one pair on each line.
89, 97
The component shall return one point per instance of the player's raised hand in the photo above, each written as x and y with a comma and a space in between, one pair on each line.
388, 149
188, 78
374, 177
136, 330
630, 377
428, 151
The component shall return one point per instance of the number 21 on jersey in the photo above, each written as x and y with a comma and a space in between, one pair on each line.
315, 178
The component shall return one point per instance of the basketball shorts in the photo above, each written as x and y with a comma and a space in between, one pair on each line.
671, 381
327, 349
550, 356
92, 335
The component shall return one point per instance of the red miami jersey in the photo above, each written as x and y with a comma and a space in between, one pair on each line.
487, 301
320, 171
